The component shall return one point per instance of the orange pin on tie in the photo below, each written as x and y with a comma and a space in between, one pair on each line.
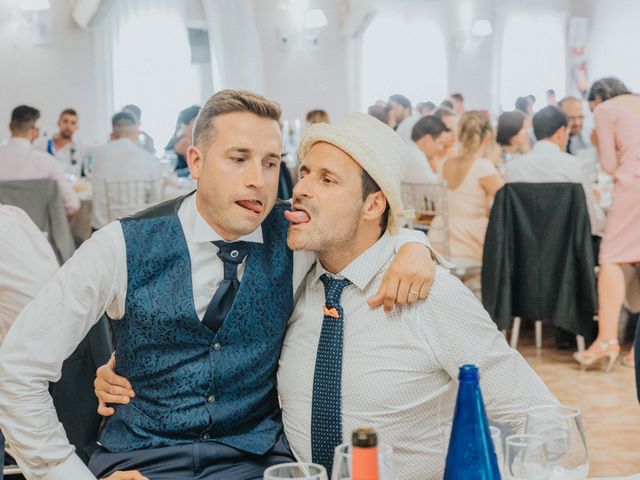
330, 312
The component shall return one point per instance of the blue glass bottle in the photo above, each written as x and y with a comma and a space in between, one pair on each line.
471, 454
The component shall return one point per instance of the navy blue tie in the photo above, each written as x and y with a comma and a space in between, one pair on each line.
326, 406
232, 254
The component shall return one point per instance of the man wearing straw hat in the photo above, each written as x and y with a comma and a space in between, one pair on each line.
344, 365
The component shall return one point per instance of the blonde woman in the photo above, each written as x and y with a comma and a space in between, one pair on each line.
472, 183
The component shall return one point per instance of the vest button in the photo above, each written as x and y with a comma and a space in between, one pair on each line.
205, 436
234, 253
217, 347
211, 399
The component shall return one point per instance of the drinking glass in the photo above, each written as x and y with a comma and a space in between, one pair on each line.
298, 471
342, 462
496, 437
525, 458
168, 163
561, 427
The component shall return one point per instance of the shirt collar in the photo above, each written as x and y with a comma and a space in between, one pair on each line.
23, 142
364, 268
202, 232
546, 146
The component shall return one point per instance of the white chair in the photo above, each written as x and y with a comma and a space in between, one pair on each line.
428, 202
125, 198
515, 334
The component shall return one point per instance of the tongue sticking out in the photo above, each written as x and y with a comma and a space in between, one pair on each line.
252, 205
296, 217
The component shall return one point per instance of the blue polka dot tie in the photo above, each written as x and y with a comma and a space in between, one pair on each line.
326, 407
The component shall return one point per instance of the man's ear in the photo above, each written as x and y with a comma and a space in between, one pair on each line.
195, 160
374, 206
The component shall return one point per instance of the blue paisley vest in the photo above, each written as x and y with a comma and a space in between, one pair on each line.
191, 384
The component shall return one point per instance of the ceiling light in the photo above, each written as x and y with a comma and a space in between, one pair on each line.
315, 19
481, 28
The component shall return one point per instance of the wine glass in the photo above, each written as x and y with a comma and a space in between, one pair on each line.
168, 163
496, 437
342, 462
297, 471
525, 458
561, 426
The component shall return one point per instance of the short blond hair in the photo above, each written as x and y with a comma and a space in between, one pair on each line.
230, 101
472, 128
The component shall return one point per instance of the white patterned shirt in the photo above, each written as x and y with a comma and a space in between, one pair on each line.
399, 371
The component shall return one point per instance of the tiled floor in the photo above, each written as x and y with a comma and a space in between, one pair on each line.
610, 408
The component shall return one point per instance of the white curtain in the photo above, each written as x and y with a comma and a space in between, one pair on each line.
144, 50
237, 60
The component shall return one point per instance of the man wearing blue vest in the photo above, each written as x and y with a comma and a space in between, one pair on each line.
200, 290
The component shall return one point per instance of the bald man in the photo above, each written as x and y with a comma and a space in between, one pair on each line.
572, 108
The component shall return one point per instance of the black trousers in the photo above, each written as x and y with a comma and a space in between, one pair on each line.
194, 461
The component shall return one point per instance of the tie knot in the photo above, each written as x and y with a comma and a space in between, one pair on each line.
333, 289
232, 252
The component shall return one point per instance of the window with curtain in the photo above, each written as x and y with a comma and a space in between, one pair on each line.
403, 56
152, 63
533, 57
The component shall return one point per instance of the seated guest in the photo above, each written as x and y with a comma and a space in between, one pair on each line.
381, 112
370, 369
548, 161
457, 100
572, 108
19, 160
428, 142
183, 138
122, 160
512, 135
450, 119
62, 145
426, 108
317, 116
472, 183
144, 140
27, 262
402, 113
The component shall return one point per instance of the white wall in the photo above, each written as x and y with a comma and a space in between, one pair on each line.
301, 77
615, 35
50, 78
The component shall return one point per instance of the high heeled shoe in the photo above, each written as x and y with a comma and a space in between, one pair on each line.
598, 352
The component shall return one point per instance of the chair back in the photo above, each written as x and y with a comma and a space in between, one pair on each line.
430, 211
41, 200
124, 198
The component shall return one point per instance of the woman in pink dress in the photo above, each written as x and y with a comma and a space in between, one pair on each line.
617, 138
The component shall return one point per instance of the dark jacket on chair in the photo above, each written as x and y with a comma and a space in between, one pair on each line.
538, 260
73, 395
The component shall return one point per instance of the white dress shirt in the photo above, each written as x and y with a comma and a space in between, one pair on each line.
546, 163
27, 262
70, 155
406, 126
123, 161
399, 371
418, 169
19, 160
93, 281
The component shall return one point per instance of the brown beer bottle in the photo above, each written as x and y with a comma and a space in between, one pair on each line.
364, 454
